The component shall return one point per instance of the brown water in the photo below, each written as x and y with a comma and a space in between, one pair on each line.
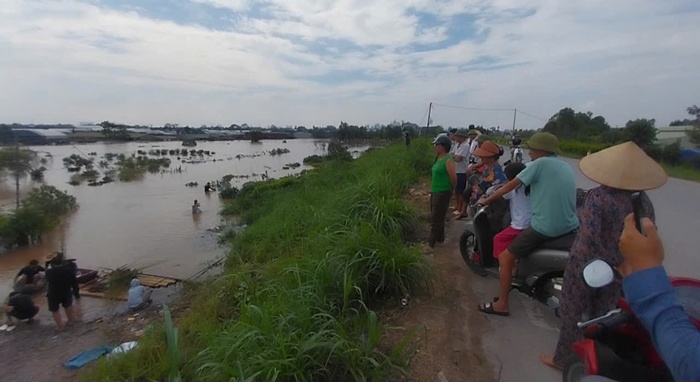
147, 223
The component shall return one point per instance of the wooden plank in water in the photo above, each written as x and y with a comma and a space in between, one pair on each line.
121, 297
153, 281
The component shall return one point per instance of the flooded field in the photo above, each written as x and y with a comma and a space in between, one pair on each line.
148, 223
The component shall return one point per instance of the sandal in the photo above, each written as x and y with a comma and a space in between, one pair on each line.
488, 309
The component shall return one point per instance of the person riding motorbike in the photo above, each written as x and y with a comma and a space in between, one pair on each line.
622, 171
515, 142
492, 173
553, 199
652, 298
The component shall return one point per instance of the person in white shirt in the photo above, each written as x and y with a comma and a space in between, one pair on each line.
520, 211
472, 140
460, 154
451, 135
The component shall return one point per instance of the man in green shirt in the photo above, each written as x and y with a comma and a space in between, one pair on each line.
553, 200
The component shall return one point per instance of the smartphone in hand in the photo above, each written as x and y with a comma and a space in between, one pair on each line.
637, 210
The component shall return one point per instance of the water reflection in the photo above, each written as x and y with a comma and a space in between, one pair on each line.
146, 223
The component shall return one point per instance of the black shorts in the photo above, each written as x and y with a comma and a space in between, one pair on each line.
25, 315
63, 299
461, 183
526, 242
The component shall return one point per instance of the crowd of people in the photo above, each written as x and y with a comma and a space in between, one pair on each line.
63, 289
60, 276
542, 198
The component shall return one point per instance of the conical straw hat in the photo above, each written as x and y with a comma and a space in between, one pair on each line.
624, 166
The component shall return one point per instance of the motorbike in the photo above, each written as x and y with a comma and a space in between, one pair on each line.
616, 345
539, 275
516, 154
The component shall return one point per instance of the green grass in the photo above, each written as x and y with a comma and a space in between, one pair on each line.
297, 298
682, 172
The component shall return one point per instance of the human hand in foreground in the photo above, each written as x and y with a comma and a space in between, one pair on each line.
640, 252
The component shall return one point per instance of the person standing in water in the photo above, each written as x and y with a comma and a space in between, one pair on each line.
195, 207
61, 280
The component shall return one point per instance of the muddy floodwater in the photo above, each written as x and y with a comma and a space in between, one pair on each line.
148, 223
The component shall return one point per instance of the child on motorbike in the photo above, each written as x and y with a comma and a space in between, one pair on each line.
520, 212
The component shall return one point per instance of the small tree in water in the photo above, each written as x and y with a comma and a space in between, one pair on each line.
337, 151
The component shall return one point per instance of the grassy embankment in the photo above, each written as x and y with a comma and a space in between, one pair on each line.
577, 149
297, 298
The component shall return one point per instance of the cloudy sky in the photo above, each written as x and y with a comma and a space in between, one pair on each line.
294, 62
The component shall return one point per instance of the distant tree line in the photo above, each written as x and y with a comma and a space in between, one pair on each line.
570, 125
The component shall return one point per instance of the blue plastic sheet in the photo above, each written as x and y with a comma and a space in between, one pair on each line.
87, 356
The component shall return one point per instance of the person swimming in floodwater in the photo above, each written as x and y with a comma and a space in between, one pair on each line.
196, 208
207, 188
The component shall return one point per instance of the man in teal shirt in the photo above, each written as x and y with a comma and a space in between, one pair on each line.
553, 201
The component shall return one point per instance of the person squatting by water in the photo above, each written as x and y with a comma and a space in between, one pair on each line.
622, 171
19, 306
139, 296
443, 181
553, 201
30, 274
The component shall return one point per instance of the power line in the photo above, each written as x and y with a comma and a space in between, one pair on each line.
474, 108
533, 116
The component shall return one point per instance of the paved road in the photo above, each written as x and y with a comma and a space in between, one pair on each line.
514, 343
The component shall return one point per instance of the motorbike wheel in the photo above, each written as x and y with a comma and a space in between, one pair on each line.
519, 158
574, 369
467, 243
466, 246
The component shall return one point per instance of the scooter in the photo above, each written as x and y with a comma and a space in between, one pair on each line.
516, 154
616, 345
539, 275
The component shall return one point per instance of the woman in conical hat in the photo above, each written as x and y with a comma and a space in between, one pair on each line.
622, 171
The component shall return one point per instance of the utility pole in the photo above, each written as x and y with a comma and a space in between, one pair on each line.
515, 113
427, 126
17, 169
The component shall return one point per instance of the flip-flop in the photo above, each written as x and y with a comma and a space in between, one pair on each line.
10, 328
488, 309
3, 328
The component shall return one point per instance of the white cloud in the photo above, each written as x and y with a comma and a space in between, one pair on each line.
71, 61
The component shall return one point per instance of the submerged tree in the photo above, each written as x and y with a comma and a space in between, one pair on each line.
21, 163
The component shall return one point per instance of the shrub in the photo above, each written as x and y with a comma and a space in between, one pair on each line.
228, 193
581, 148
671, 154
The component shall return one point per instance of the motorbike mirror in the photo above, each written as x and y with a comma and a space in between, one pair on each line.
598, 274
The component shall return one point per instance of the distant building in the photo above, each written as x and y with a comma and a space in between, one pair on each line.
302, 135
40, 136
671, 134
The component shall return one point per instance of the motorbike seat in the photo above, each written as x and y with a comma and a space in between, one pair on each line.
561, 243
